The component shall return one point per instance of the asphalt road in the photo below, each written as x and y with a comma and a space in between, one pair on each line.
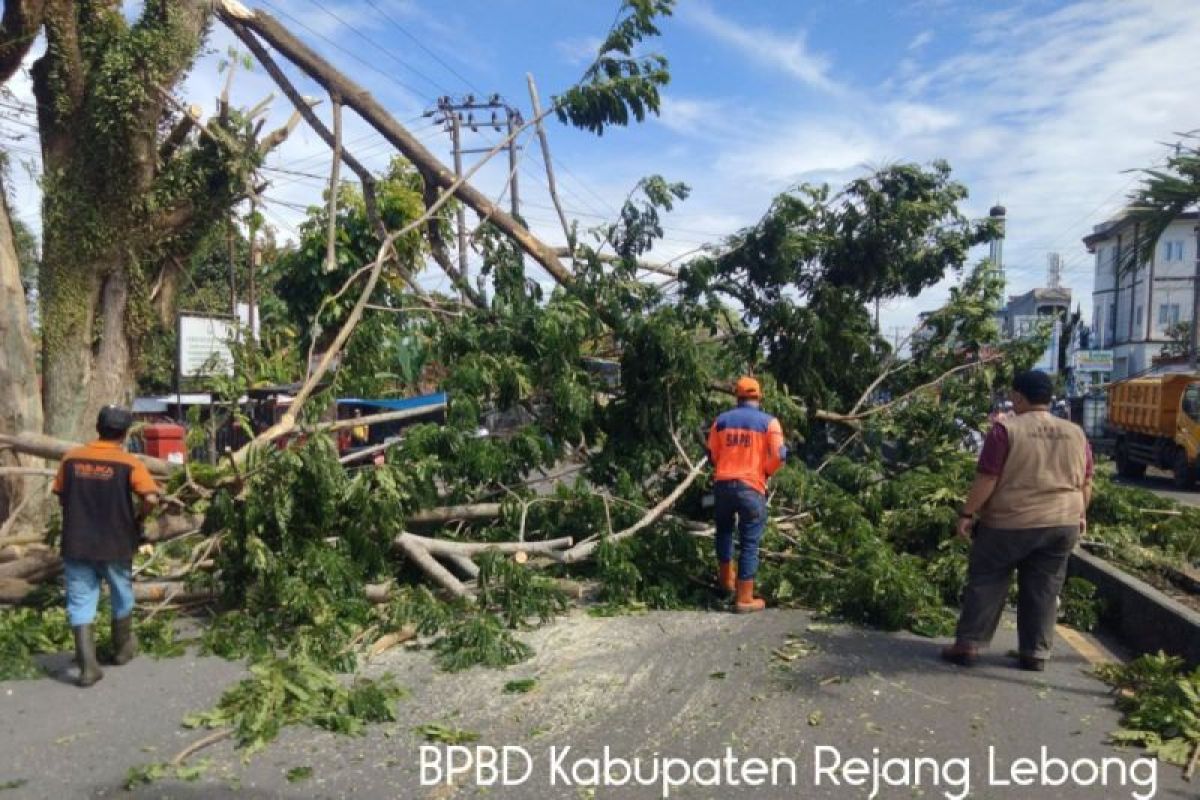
1159, 482
687, 685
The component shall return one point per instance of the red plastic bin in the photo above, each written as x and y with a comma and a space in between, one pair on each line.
165, 440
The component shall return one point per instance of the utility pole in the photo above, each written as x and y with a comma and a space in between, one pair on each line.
512, 118
456, 138
455, 114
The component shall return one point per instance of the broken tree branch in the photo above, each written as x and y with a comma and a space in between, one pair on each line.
607, 258
44, 472
333, 81
179, 133
441, 516
288, 423
437, 248
279, 135
36, 444
305, 108
585, 549
335, 165
420, 556
450, 547
830, 416
536, 106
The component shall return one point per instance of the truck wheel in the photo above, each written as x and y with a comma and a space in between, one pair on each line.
1184, 476
1126, 466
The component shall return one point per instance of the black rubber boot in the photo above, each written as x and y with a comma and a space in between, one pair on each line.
85, 655
123, 640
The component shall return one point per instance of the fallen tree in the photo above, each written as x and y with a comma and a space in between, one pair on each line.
295, 555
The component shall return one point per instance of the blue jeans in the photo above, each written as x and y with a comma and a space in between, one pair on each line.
736, 499
83, 588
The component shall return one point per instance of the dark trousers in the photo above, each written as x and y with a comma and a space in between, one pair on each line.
735, 499
1039, 555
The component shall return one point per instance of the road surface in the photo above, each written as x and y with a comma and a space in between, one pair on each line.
780, 686
1159, 482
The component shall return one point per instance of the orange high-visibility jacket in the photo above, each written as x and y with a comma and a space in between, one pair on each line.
746, 444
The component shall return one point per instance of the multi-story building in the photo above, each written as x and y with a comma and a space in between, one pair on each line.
1137, 301
1025, 312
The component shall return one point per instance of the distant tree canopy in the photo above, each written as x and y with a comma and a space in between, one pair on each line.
804, 274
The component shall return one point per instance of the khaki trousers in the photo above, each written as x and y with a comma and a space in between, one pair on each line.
1039, 555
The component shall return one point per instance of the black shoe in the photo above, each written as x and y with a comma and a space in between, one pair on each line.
1031, 664
123, 640
961, 654
85, 655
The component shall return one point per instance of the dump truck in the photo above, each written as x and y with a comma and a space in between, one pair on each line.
1155, 422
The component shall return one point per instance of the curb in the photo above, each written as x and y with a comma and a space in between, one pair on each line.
1144, 618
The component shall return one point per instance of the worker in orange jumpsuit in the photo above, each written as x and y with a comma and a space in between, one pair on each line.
745, 445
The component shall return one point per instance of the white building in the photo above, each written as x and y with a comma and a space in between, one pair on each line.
1131, 316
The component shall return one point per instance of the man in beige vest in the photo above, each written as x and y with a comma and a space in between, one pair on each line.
1025, 511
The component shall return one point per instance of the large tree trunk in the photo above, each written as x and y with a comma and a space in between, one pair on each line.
20, 405
109, 222
85, 343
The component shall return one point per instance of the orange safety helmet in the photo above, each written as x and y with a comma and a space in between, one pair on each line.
747, 388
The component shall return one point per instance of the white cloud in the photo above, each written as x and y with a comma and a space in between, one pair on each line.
579, 51
770, 49
921, 40
799, 151
695, 117
1044, 112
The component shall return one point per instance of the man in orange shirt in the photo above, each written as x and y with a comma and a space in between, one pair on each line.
746, 447
100, 529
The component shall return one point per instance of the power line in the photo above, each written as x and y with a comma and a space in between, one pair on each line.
347, 51
386, 15
377, 46
541, 179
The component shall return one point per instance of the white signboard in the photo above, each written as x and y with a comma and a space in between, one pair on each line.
204, 346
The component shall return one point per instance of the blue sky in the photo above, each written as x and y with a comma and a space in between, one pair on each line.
1040, 105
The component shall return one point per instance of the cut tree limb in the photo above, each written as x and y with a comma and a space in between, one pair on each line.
468, 513
464, 565
412, 547
35, 444
166, 527
449, 547
421, 550
31, 566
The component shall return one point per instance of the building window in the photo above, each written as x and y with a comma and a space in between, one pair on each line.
1173, 250
1168, 315
1137, 317
1111, 319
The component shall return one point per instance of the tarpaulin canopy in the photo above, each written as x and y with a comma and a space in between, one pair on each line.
395, 403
